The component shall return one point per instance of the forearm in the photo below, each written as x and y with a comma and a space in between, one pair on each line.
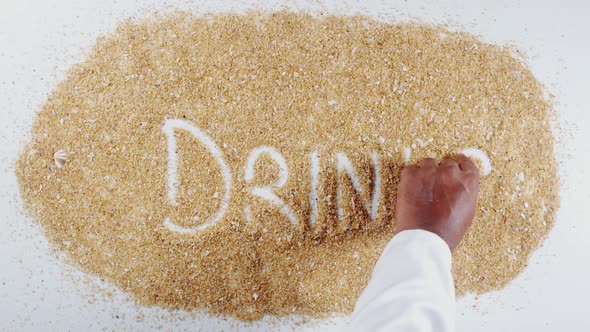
411, 288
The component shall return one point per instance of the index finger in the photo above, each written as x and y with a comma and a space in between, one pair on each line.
408, 169
466, 164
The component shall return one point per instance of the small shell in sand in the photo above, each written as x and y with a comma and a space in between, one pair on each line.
60, 158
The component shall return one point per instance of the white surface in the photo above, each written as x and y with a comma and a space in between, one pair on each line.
39, 40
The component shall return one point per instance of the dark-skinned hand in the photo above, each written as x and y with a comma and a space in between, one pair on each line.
439, 197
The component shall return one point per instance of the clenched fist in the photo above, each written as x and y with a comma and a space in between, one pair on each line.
439, 197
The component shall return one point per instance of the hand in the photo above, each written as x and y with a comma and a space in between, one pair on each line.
439, 197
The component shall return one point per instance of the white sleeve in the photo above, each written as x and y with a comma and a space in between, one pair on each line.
411, 288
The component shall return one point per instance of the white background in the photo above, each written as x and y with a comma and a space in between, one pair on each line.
39, 40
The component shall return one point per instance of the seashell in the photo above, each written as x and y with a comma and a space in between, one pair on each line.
60, 158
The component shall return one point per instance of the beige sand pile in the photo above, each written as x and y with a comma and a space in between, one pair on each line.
307, 88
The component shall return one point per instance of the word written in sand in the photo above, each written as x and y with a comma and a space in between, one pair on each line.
267, 192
